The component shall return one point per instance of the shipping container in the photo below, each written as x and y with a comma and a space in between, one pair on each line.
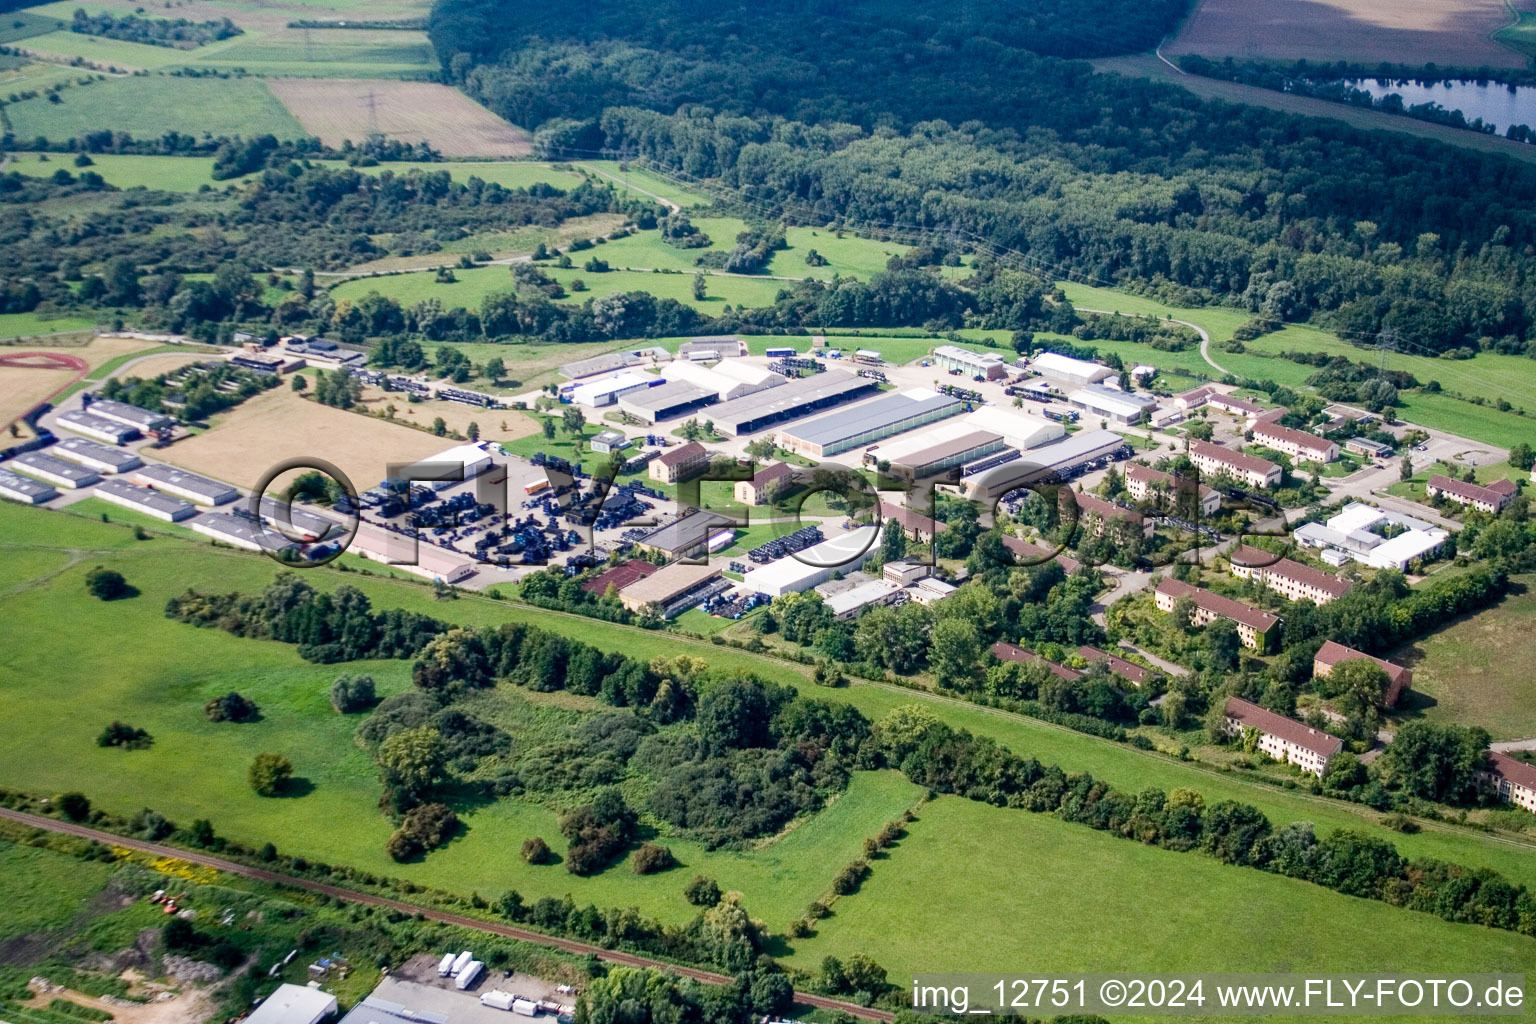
499, 999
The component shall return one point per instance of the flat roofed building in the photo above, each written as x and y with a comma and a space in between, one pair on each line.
608, 390
1296, 443
686, 535
1075, 371
1095, 515
1020, 430
25, 489
1062, 457
1169, 493
679, 463
100, 457
869, 421
1490, 499
142, 499
765, 484
1351, 532
1127, 670
1512, 781
287, 518
1365, 446
842, 553
1114, 405
132, 415
790, 401
668, 587
749, 373
241, 532
609, 440
197, 489
930, 590
1214, 460
294, 1004
1331, 653
620, 576
1284, 739
1287, 577
1253, 625
58, 472
950, 454
847, 604
725, 346
1013, 652
666, 401
986, 365
98, 427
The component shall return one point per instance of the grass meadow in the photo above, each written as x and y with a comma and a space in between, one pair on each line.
154, 104
160, 681
26, 325
1082, 901
1474, 671
327, 53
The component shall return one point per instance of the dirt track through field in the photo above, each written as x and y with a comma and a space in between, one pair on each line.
339, 109
1446, 32
368, 899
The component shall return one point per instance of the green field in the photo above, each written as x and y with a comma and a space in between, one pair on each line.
47, 890
172, 668
1475, 671
644, 181
18, 25
101, 50
24, 325
474, 285
1521, 35
189, 173
155, 104
1061, 895
327, 53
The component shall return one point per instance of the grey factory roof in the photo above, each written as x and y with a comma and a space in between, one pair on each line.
42, 462
1070, 451
25, 484
118, 458
90, 421
882, 412
239, 527
689, 532
170, 476
143, 496
784, 401
666, 396
141, 418
949, 449
283, 515
599, 364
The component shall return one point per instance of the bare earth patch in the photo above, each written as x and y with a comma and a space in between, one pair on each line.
1446, 32
495, 424
280, 425
339, 109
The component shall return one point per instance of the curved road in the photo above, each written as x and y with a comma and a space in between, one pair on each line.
368, 899
1205, 335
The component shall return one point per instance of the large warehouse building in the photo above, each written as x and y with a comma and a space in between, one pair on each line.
100, 457
1075, 371
1020, 430
142, 499
1113, 404
869, 422
986, 365
789, 401
671, 589
97, 427
54, 471
668, 401
241, 532
1063, 457
729, 380
24, 489
816, 564
131, 415
178, 482
603, 392
948, 454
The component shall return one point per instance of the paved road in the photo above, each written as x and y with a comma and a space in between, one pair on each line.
1509, 746
1205, 336
368, 899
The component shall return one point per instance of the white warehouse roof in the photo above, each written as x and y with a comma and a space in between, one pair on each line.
293, 1004
1019, 429
597, 391
1053, 364
843, 552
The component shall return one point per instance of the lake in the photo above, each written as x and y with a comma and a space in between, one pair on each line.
1497, 104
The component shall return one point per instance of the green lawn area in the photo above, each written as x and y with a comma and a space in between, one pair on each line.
1479, 422
645, 181
155, 104
1083, 901
18, 25
56, 888
1475, 671
160, 680
475, 284
1521, 35
22, 325
104, 51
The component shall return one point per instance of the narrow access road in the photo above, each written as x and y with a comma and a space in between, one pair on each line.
368, 899
1205, 335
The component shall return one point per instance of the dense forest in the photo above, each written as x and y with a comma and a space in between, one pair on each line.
981, 133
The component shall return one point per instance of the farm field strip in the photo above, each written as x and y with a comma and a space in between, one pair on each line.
153, 104
339, 110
